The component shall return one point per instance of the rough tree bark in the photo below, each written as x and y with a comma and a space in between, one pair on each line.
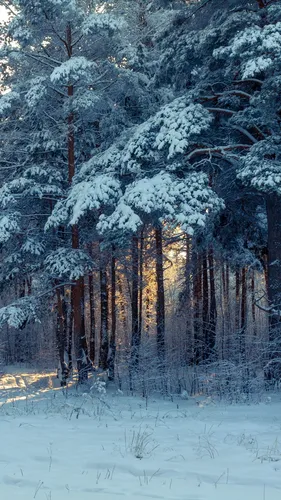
104, 347
61, 335
273, 207
141, 282
213, 304
160, 297
19, 336
253, 302
237, 300
242, 332
135, 344
112, 345
197, 299
92, 342
205, 306
80, 343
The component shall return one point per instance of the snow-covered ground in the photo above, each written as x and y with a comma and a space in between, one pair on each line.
90, 446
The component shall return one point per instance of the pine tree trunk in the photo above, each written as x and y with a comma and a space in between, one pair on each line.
80, 343
187, 299
253, 303
237, 305
226, 317
205, 307
243, 311
147, 302
141, 283
112, 349
92, 343
135, 346
70, 333
160, 298
104, 347
213, 304
123, 315
19, 338
61, 335
273, 207
197, 299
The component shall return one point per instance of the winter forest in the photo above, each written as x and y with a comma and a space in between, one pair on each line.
140, 192
140, 249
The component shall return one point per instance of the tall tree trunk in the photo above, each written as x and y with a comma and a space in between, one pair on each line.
123, 315
92, 343
213, 304
112, 345
226, 316
19, 338
160, 297
147, 301
197, 299
205, 306
135, 346
62, 335
141, 283
237, 299
273, 207
243, 311
70, 333
80, 343
104, 347
253, 302
187, 299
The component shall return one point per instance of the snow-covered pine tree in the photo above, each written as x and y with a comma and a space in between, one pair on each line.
64, 99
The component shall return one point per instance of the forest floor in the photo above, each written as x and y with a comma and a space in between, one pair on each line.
85, 445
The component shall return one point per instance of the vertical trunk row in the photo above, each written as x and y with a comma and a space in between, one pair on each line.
92, 340
197, 299
112, 346
62, 335
273, 208
237, 300
160, 297
243, 311
253, 304
213, 304
135, 345
205, 306
104, 347
141, 256
187, 298
80, 343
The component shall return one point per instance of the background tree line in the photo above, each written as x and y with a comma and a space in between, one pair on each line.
140, 190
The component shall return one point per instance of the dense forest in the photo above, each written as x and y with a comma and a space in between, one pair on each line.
140, 191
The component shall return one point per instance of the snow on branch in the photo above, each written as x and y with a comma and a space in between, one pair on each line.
257, 47
102, 21
7, 100
19, 313
8, 226
185, 202
99, 191
261, 166
73, 69
68, 263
